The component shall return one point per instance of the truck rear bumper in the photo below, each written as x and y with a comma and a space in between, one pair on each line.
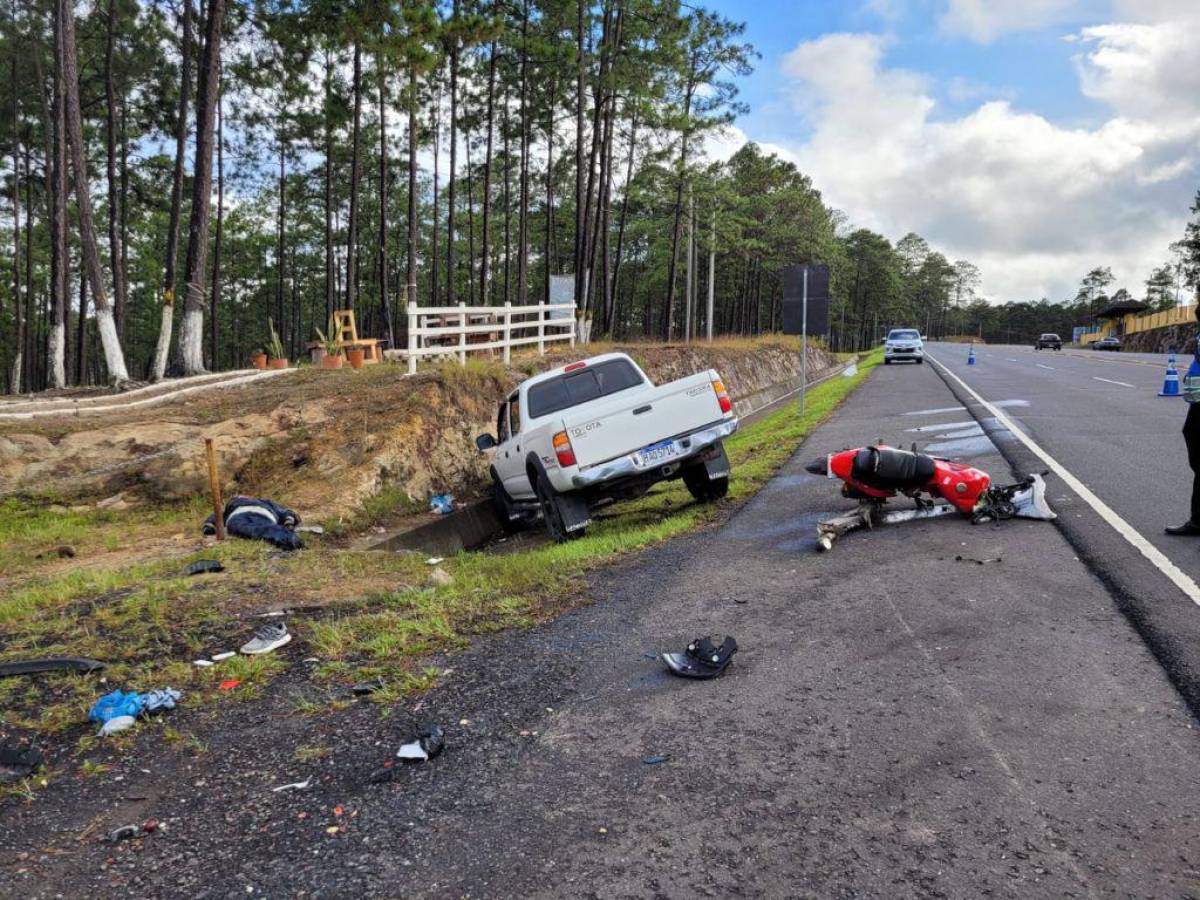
624, 467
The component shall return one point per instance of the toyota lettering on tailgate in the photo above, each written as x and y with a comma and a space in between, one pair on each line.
581, 430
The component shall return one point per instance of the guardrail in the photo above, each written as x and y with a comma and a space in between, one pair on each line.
462, 329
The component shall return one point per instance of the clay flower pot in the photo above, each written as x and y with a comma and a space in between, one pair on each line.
259, 360
331, 362
278, 363
356, 358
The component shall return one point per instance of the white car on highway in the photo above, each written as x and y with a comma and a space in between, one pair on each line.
599, 430
903, 343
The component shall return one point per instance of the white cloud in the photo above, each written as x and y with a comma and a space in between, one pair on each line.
985, 20
1034, 203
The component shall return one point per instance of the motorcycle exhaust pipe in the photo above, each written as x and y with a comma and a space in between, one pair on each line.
819, 467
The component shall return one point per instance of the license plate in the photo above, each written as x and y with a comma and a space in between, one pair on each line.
655, 453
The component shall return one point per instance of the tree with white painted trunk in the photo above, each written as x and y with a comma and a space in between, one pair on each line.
105, 324
191, 332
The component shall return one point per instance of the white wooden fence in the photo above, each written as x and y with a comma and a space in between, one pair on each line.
443, 330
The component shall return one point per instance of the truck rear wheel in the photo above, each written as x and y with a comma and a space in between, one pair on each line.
552, 513
703, 488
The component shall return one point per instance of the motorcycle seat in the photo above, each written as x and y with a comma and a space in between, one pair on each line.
888, 468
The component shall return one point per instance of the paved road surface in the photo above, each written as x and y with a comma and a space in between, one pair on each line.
1099, 416
897, 724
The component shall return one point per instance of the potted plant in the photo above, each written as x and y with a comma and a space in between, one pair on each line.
259, 358
275, 349
333, 357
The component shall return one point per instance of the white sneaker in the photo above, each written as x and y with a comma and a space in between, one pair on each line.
269, 637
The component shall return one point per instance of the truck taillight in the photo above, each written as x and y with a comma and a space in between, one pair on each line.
722, 395
562, 449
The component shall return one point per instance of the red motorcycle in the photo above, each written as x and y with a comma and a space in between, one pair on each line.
874, 475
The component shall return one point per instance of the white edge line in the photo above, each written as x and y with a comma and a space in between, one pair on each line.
1156, 557
1110, 381
1040, 366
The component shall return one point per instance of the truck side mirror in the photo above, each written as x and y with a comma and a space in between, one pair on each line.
485, 442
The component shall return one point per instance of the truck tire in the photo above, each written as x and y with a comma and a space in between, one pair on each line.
552, 513
504, 509
702, 488
920, 361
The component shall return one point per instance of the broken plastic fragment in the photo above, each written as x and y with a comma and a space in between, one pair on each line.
217, 657
229, 685
115, 724
204, 567
654, 760
294, 786
429, 743
202, 663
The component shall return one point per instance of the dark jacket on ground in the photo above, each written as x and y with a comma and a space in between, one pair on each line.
259, 520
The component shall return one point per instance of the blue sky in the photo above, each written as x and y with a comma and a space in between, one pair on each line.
1037, 138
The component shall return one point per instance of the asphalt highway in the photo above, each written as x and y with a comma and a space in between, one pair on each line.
1097, 417
933, 709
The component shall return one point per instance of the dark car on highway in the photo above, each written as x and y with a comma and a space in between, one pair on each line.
1108, 343
1048, 342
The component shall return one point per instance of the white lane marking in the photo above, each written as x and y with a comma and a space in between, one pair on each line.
1110, 381
1040, 366
1156, 557
943, 425
934, 412
1010, 359
950, 409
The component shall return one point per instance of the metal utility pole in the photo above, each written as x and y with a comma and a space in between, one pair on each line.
804, 341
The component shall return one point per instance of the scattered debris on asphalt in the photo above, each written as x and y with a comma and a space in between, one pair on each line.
703, 658
442, 504
63, 551
19, 760
267, 638
116, 704
205, 567
429, 742
654, 760
364, 688
116, 724
125, 832
259, 520
294, 786
49, 664
978, 562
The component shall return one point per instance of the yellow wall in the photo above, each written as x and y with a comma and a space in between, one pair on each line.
1178, 315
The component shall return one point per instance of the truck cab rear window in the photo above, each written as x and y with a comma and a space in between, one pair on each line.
578, 387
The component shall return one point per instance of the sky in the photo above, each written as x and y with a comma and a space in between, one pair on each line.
1036, 138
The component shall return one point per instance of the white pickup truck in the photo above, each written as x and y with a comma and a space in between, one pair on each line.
599, 430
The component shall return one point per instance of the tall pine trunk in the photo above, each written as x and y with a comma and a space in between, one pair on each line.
451, 279
410, 294
580, 104
669, 307
355, 174
56, 193
216, 275
110, 145
611, 310
382, 266
181, 129
523, 203
327, 113
14, 380
191, 333
113, 356
485, 237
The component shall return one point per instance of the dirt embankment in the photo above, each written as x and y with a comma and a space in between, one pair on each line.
325, 441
